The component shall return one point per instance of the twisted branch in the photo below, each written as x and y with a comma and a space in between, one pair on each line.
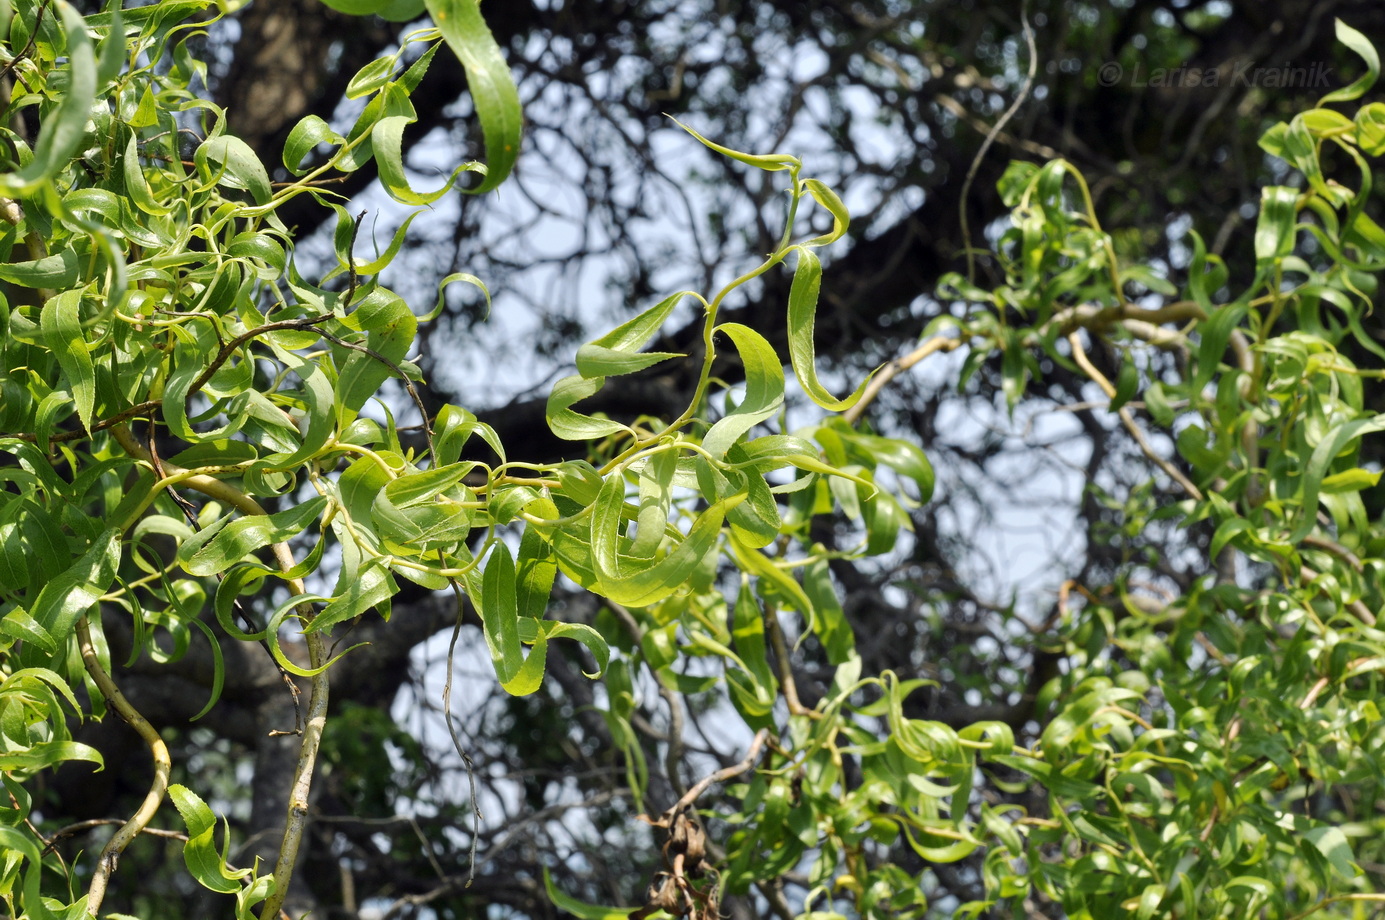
316, 720
131, 829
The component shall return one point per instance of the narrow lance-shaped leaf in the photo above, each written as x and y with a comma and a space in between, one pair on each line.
571, 425
239, 538
640, 585
755, 521
136, 186
218, 670
318, 412
66, 598
65, 128
200, 853
617, 352
1362, 46
764, 389
748, 629
111, 53
342, 240
841, 219
310, 131
356, 7
59, 270
372, 586
61, 323
231, 162
492, 89
580, 909
803, 306
387, 139
899, 455
500, 617
464, 277
829, 620
774, 581
1274, 231
771, 162
530, 675
391, 328
535, 571
656, 496
46, 754
1323, 455
537, 631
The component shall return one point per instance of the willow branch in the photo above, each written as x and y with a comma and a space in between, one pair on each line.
991, 135
719, 776
1079, 354
316, 720
781, 657
1143, 323
131, 829
894, 368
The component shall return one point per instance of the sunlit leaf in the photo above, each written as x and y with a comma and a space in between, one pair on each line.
764, 389
488, 79
200, 853
803, 305
61, 322
64, 129
1363, 47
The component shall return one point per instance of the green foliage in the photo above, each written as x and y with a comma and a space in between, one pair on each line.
1192, 756
1194, 753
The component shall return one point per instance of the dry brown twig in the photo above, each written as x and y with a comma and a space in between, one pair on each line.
685, 850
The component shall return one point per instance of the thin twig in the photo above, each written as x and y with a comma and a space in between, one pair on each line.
408, 384
674, 736
719, 776
896, 367
1336, 549
990, 138
28, 48
52, 840
452, 732
774, 894
230, 347
1079, 354
1363, 613
351, 261
781, 657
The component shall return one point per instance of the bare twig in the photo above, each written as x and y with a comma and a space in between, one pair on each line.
720, 776
896, 367
781, 657
452, 731
404, 378
1079, 354
1020, 97
70, 830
